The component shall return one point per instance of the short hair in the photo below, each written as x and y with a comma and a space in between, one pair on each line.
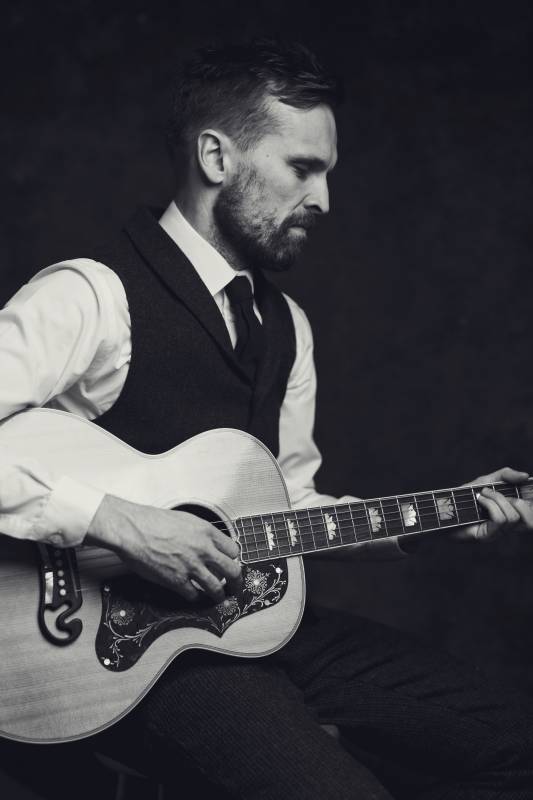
228, 87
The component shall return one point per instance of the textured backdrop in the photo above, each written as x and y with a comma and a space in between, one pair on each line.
418, 285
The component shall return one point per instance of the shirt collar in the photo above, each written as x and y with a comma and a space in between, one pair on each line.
210, 265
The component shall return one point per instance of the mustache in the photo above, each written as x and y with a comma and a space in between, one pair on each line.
305, 219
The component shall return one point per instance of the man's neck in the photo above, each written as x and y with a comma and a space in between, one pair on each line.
199, 214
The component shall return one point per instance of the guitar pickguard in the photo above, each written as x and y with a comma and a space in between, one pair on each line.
135, 612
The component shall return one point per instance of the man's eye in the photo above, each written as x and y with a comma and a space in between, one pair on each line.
301, 172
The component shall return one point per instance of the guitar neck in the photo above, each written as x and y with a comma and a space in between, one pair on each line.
309, 530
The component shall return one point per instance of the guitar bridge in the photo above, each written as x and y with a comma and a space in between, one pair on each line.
59, 587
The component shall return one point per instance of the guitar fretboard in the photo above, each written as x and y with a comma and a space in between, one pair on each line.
301, 531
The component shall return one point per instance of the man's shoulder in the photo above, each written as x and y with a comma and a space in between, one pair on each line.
74, 275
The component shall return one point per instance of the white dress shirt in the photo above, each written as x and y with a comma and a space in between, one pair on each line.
65, 343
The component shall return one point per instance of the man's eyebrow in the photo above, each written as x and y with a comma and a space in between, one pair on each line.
313, 163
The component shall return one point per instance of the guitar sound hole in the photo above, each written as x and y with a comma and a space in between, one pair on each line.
204, 513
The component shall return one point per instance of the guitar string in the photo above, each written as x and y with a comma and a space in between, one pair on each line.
112, 568
311, 540
359, 505
320, 537
355, 513
321, 527
390, 510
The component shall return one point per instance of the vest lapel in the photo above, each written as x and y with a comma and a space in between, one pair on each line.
165, 258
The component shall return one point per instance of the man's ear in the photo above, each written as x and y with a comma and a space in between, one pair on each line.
213, 154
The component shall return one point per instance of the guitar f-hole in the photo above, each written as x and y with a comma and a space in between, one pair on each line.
59, 587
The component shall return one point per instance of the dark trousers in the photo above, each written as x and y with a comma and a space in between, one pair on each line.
414, 722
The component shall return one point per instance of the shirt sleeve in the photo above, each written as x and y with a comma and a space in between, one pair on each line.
51, 333
299, 456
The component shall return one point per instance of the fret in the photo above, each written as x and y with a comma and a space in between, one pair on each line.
305, 532
510, 490
331, 525
384, 521
282, 537
526, 491
466, 508
294, 536
275, 534
375, 518
362, 528
348, 535
392, 516
248, 537
288, 533
347, 524
446, 510
454, 504
400, 513
241, 538
308, 537
260, 536
436, 508
479, 509
421, 510
318, 529
419, 513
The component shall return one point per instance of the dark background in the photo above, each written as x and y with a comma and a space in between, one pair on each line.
418, 285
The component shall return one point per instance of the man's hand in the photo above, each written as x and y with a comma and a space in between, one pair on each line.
168, 547
505, 513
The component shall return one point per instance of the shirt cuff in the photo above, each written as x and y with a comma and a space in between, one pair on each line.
68, 513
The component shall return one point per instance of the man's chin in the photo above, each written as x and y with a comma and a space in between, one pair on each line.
283, 261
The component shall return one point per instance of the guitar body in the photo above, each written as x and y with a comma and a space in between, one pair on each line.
60, 681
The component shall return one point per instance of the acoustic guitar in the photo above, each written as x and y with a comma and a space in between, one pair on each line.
84, 638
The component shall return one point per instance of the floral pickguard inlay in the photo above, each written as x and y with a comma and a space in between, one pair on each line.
135, 612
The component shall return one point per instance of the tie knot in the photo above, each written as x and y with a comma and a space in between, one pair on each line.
239, 291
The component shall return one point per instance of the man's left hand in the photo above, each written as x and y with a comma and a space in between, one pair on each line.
505, 513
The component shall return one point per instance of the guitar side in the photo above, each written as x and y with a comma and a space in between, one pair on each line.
51, 693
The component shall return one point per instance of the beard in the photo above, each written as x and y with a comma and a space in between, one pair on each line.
249, 234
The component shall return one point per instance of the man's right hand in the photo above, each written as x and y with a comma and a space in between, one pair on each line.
168, 547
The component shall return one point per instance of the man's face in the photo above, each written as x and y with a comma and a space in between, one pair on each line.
278, 188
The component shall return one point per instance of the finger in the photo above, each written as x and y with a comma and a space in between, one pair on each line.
209, 583
506, 474
180, 585
226, 544
499, 509
225, 567
187, 590
524, 510
510, 475
235, 585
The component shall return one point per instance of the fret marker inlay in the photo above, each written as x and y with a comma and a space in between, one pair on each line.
445, 507
293, 535
375, 519
270, 536
330, 525
409, 514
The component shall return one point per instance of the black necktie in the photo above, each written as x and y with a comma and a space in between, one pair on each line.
249, 330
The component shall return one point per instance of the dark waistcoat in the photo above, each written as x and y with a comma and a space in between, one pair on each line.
184, 377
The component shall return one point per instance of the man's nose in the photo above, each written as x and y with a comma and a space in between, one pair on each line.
318, 197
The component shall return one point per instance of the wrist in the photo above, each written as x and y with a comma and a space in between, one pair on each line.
103, 530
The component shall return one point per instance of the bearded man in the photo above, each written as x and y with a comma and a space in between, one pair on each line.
171, 330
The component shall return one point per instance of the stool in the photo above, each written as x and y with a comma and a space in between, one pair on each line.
123, 773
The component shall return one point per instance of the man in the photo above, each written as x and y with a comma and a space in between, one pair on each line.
171, 330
